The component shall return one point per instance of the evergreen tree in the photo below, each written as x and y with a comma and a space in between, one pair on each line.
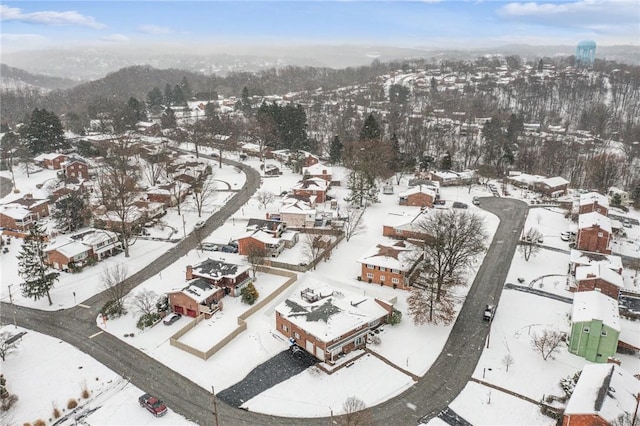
186, 89
168, 95
168, 119
246, 102
38, 279
178, 96
154, 97
43, 132
249, 294
370, 129
71, 212
335, 151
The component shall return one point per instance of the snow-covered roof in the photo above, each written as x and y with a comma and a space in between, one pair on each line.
606, 390
587, 220
199, 290
68, 248
217, 269
311, 184
48, 156
591, 197
556, 181
261, 236
526, 178
93, 237
316, 169
590, 305
419, 190
601, 271
401, 255
15, 212
579, 257
297, 207
333, 315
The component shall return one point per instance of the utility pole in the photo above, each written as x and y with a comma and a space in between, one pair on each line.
215, 406
13, 308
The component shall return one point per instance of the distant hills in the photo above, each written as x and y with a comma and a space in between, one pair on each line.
11, 77
93, 63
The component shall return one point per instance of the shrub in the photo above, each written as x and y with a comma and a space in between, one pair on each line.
71, 404
56, 413
162, 305
396, 317
113, 309
7, 402
39, 422
147, 320
85, 393
249, 294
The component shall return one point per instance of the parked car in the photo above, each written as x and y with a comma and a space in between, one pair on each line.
475, 201
488, 313
171, 318
626, 223
199, 224
229, 249
210, 247
153, 405
459, 205
565, 236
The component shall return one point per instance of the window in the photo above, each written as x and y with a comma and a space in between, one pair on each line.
600, 234
284, 327
603, 333
369, 275
383, 269
358, 340
395, 281
296, 335
382, 277
586, 330
370, 267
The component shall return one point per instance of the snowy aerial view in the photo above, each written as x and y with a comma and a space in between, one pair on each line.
428, 237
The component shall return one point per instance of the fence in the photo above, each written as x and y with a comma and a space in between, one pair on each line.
242, 324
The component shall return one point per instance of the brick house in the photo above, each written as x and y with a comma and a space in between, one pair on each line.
313, 190
76, 168
51, 160
274, 227
111, 221
450, 178
594, 233
392, 264
417, 196
595, 326
593, 202
598, 277
16, 217
39, 207
271, 245
296, 214
327, 324
198, 297
605, 394
584, 258
78, 248
553, 186
318, 170
227, 276
404, 226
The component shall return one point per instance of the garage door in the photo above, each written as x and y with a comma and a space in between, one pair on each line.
191, 313
178, 309
319, 353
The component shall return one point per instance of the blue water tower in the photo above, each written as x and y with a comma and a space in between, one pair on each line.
585, 53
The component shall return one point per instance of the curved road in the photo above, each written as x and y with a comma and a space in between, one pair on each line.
440, 385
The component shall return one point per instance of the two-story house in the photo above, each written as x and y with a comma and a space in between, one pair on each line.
230, 277
405, 226
76, 168
52, 160
16, 217
318, 170
77, 249
394, 264
313, 190
593, 202
594, 233
599, 277
270, 245
328, 324
296, 214
198, 297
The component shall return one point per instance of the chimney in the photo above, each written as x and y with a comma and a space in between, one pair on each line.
189, 272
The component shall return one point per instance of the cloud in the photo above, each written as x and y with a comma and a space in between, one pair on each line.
154, 29
48, 17
115, 38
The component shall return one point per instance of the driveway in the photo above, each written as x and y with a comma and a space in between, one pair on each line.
424, 400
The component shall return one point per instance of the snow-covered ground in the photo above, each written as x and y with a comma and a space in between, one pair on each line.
408, 347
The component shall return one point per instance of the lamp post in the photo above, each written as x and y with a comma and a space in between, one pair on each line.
13, 307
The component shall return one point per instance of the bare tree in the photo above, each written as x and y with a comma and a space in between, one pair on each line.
312, 246
604, 171
530, 243
424, 307
145, 301
265, 198
203, 192
177, 190
353, 224
454, 239
119, 188
547, 343
6, 346
155, 166
255, 256
508, 361
112, 277
356, 413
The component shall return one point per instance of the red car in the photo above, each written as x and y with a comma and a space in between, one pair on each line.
153, 405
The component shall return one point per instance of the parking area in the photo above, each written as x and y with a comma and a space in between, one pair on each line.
268, 374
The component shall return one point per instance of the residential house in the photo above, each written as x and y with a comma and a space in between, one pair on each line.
594, 233
149, 128
585, 258
553, 186
328, 324
272, 170
113, 221
605, 395
420, 196
198, 297
38, 206
296, 214
432, 184
394, 264
450, 178
273, 227
313, 190
598, 277
76, 168
593, 202
51, 160
150, 209
618, 195
405, 226
271, 246
227, 276
169, 194
79, 248
595, 326
16, 217
318, 170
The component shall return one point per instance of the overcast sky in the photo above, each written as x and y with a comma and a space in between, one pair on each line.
427, 24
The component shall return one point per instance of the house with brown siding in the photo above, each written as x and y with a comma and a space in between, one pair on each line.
198, 297
329, 324
51, 160
271, 246
394, 264
77, 249
417, 196
227, 276
594, 233
318, 170
598, 277
405, 226
584, 258
76, 168
593, 202
553, 186
313, 190
605, 394
16, 217
39, 207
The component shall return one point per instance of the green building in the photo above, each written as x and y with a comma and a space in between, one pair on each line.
595, 326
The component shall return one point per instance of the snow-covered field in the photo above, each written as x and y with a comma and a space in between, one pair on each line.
409, 347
